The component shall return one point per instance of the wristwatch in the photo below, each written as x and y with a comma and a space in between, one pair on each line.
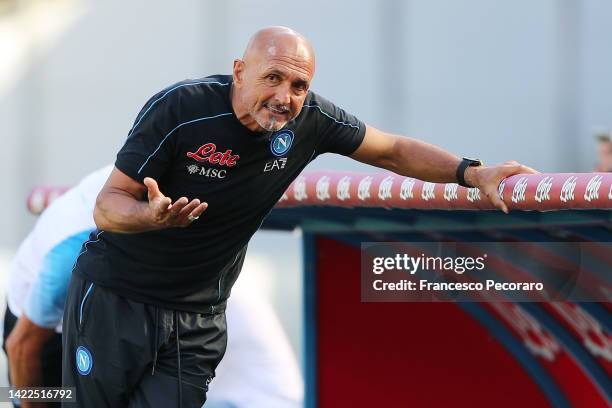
465, 163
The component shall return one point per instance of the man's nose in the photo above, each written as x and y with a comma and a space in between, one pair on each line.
283, 95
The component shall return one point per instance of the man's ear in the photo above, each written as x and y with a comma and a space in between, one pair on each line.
238, 72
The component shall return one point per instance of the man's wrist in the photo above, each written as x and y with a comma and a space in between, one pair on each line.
464, 175
471, 175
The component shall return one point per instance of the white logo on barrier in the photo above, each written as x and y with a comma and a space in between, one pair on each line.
535, 338
363, 191
592, 188
284, 197
428, 191
589, 330
323, 188
450, 191
473, 194
342, 189
610, 193
299, 189
543, 189
567, 190
384, 190
518, 193
406, 189
500, 189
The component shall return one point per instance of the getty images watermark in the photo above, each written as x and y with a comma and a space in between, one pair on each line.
486, 271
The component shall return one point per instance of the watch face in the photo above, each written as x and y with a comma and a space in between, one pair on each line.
473, 162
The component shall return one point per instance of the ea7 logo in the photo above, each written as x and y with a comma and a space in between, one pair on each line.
592, 188
276, 164
473, 194
518, 193
450, 191
299, 189
343, 188
384, 189
543, 189
428, 192
567, 190
406, 189
323, 188
363, 191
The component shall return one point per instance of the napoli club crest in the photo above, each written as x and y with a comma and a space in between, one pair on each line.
281, 142
84, 361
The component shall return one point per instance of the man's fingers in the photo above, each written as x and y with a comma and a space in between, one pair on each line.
177, 206
162, 206
199, 210
189, 208
152, 187
527, 169
496, 201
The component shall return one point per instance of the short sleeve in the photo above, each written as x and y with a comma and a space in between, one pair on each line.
149, 148
45, 302
339, 131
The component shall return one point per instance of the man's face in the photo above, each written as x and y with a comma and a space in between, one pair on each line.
273, 86
604, 156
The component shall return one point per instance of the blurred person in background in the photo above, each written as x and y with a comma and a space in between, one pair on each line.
604, 151
259, 372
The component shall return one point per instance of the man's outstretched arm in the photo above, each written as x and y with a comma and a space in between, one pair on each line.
119, 207
421, 160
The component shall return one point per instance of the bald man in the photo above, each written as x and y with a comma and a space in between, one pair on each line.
203, 164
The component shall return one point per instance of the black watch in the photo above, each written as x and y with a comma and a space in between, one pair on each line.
465, 163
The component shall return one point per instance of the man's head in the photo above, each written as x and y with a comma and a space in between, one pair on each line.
272, 79
604, 151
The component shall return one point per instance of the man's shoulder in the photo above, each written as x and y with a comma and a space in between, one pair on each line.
207, 91
315, 100
206, 86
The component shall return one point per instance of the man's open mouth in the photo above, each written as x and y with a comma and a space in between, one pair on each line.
277, 110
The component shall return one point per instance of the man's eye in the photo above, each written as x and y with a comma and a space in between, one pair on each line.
272, 77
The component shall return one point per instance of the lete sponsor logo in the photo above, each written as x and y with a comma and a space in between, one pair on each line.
592, 189
428, 192
567, 190
500, 189
543, 190
535, 337
384, 189
473, 194
518, 192
299, 189
406, 189
208, 153
451, 191
592, 334
343, 188
363, 190
323, 188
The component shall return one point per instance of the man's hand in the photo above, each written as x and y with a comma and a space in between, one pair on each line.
120, 208
166, 214
23, 347
487, 179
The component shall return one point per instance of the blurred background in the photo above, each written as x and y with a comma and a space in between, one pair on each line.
497, 80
